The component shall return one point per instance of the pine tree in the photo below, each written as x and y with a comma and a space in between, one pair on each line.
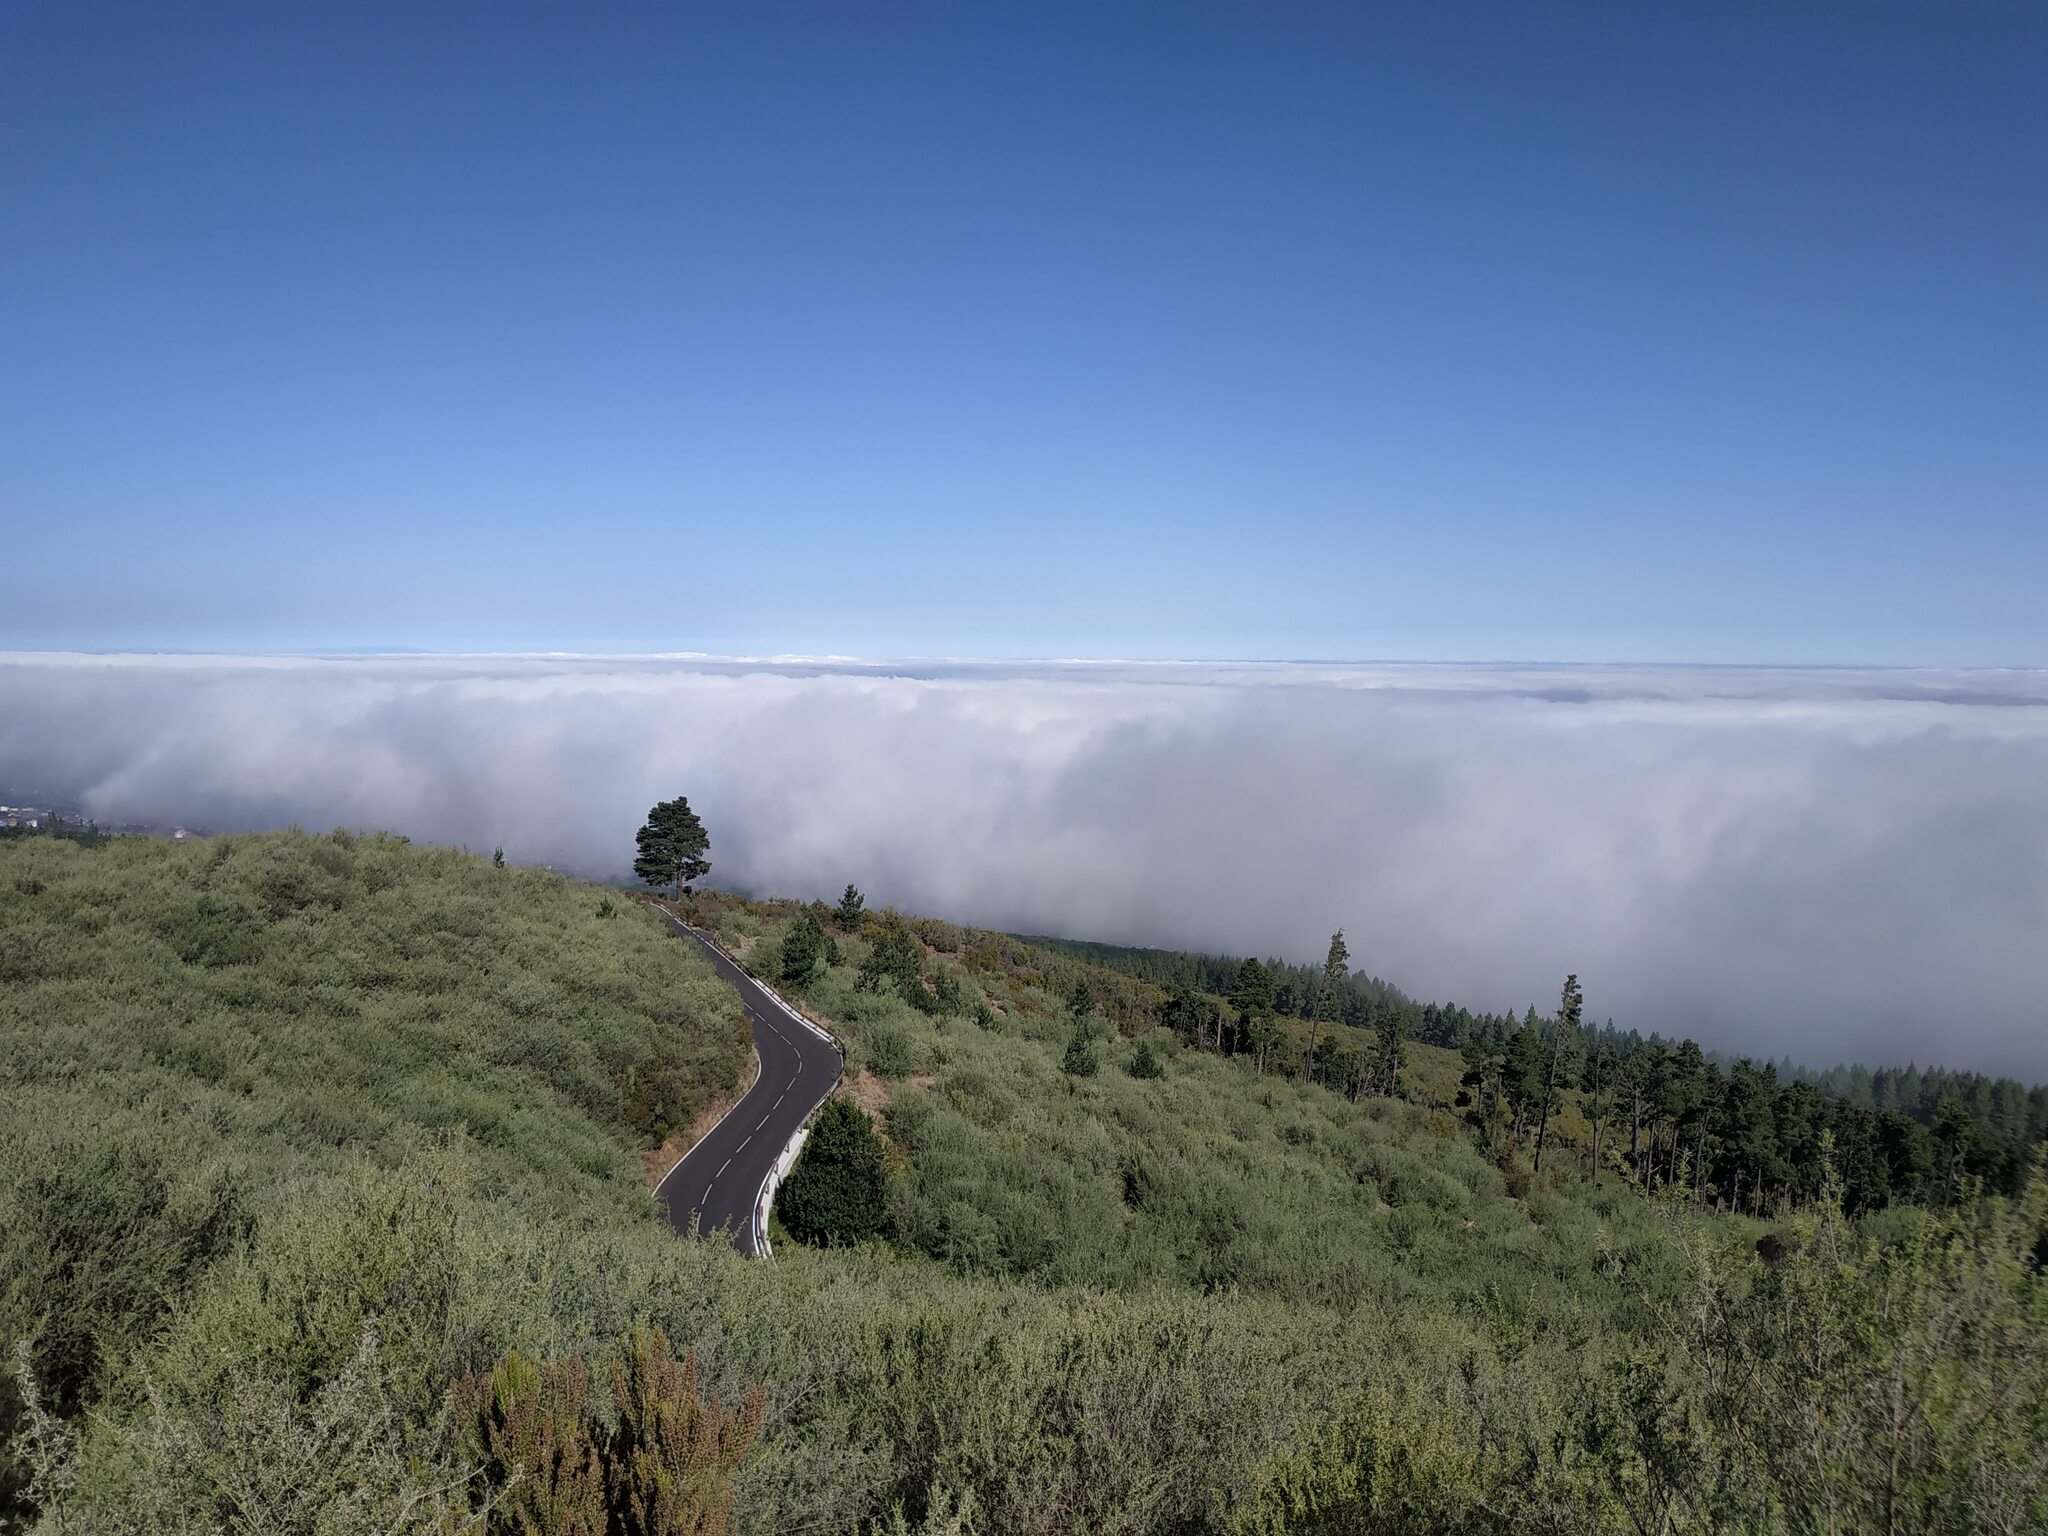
1389, 1055
1251, 994
1601, 1071
1145, 1063
1563, 1043
1951, 1135
1080, 1002
802, 948
1182, 1013
893, 957
1079, 1060
851, 911
1480, 1087
498, 857
1329, 1002
672, 844
1521, 1077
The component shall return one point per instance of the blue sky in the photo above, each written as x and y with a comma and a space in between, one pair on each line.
1612, 333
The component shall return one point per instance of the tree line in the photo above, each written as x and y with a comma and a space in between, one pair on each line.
1666, 1110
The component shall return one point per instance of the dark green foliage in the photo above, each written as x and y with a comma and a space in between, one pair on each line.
893, 958
803, 949
1381, 1077
671, 846
1079, 1059
850, 912
1332, 988
606, 907
1561, 1058
1145, 1063
1881, 1119
86, 834
498, 858
1251, 992
836, 1195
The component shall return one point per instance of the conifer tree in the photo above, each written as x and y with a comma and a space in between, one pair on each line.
1522, 1074
1080, 1002
1601, 1072
1564, 1041
1329, 1001
894, 956
1079, 1060
1145, 1063
1251, 994
672, 844
1389, 1055
802, 948
850, 912
1480, 1087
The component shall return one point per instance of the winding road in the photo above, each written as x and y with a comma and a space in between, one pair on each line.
720, 1181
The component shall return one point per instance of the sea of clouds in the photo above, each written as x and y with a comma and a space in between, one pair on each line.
1830, 864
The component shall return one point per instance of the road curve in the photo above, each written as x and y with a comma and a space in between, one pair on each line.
718, 1183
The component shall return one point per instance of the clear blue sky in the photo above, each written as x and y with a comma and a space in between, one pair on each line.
1716, 332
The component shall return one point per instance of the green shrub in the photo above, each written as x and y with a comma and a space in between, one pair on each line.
836, 1194
887, 1049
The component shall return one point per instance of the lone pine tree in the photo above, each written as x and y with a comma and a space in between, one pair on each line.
1563, 1046
851, 910
1329, 1006
672, 845
802, 948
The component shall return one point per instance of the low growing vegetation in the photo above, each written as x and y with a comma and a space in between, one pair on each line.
323, 1214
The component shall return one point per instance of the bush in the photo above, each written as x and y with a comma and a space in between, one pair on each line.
836, 1194
887, 1049
660, 1465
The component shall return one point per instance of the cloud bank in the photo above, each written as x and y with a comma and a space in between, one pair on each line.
1828, 864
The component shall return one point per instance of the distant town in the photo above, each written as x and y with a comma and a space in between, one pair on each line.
50, 815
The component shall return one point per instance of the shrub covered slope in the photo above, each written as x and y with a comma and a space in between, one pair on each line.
322, 1214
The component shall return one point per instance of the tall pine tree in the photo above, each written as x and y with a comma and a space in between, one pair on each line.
672, 844
1563, 1046
1329, 1003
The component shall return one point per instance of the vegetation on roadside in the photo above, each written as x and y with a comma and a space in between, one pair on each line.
320, 1155
837, 1194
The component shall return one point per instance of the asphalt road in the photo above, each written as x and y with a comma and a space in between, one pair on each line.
718, 1183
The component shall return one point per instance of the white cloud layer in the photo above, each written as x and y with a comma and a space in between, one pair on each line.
1831, 864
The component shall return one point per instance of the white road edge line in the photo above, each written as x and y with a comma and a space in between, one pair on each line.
779, 1169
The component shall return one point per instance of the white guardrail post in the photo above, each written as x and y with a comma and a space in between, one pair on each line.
771, 1184
765, 1201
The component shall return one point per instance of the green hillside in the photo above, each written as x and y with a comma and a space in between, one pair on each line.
321, 1210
